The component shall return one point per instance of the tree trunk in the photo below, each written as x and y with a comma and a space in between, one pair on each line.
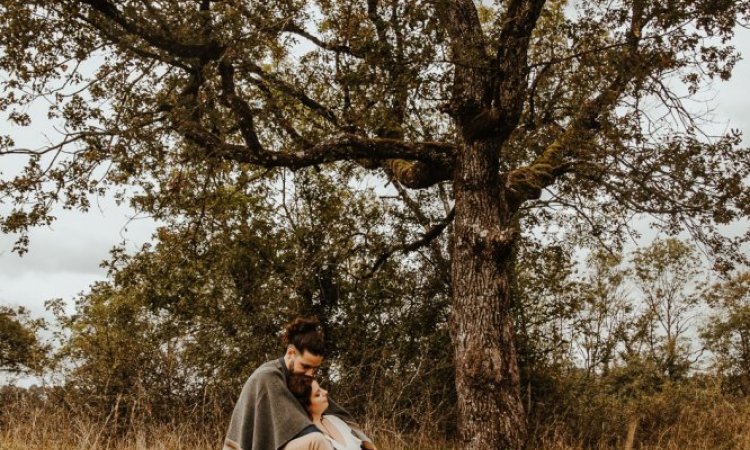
490, 411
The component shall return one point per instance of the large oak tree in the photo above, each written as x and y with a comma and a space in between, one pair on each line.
524, 108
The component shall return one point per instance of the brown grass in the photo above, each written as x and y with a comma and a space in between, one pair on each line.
719, 424
702, 425
81, 434
26, 427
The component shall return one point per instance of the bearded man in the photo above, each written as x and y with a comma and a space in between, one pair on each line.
267, 416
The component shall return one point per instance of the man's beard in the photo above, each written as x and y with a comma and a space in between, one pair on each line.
290, 366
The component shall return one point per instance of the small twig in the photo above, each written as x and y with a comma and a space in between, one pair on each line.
426, 238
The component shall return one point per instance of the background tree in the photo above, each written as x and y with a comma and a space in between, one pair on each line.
21, 349
668, 273
182, 323
545, 289
501, 102
727, 331
604, 321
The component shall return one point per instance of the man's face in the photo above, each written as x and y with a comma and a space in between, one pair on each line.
303, 364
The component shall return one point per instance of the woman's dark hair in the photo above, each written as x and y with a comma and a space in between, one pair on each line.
305, 334
301, 387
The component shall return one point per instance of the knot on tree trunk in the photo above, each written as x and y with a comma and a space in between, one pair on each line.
494, 241
484, 367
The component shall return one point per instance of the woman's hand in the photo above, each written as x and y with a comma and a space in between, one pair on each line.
368, 446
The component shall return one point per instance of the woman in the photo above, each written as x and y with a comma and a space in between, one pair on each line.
315, 401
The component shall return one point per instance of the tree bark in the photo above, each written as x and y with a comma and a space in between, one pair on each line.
490, 411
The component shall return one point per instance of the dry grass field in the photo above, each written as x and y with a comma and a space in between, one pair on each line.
81, 436
27, 428
698, 430
704, 423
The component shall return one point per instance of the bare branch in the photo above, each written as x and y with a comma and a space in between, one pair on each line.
291, 91
336, 48
425, 240
424, 221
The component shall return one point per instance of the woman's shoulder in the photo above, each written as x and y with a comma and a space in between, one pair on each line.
336, 420
351, 440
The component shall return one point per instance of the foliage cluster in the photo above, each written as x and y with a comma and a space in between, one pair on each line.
615, 347
182, 323
21, 349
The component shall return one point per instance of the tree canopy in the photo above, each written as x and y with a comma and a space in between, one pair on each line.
145, 87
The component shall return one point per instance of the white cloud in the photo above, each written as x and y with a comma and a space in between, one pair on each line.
32, 289
76, 242
64, 259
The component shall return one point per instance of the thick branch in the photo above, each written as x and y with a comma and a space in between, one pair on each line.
527, 183
377, 21
160, 40
511, 64
472, 78
121, 41
345, 147
503, 83
242, 112
417, 174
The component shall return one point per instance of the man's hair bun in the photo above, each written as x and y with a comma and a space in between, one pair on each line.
305, 334
298, 326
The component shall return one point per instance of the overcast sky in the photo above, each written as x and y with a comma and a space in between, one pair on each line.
64, 259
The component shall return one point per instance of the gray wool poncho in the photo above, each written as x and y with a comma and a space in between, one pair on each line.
267, 416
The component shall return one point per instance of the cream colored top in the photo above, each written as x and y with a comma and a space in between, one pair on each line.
351, 442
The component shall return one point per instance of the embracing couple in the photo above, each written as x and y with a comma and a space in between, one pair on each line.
282, 406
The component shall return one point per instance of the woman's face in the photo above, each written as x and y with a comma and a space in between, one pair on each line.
318, 399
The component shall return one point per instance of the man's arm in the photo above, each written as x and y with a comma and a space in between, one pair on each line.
284, 417
308, 430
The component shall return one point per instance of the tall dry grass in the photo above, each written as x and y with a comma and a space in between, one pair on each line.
678, 417
25, 425
700, 422
722, 428
66, 433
